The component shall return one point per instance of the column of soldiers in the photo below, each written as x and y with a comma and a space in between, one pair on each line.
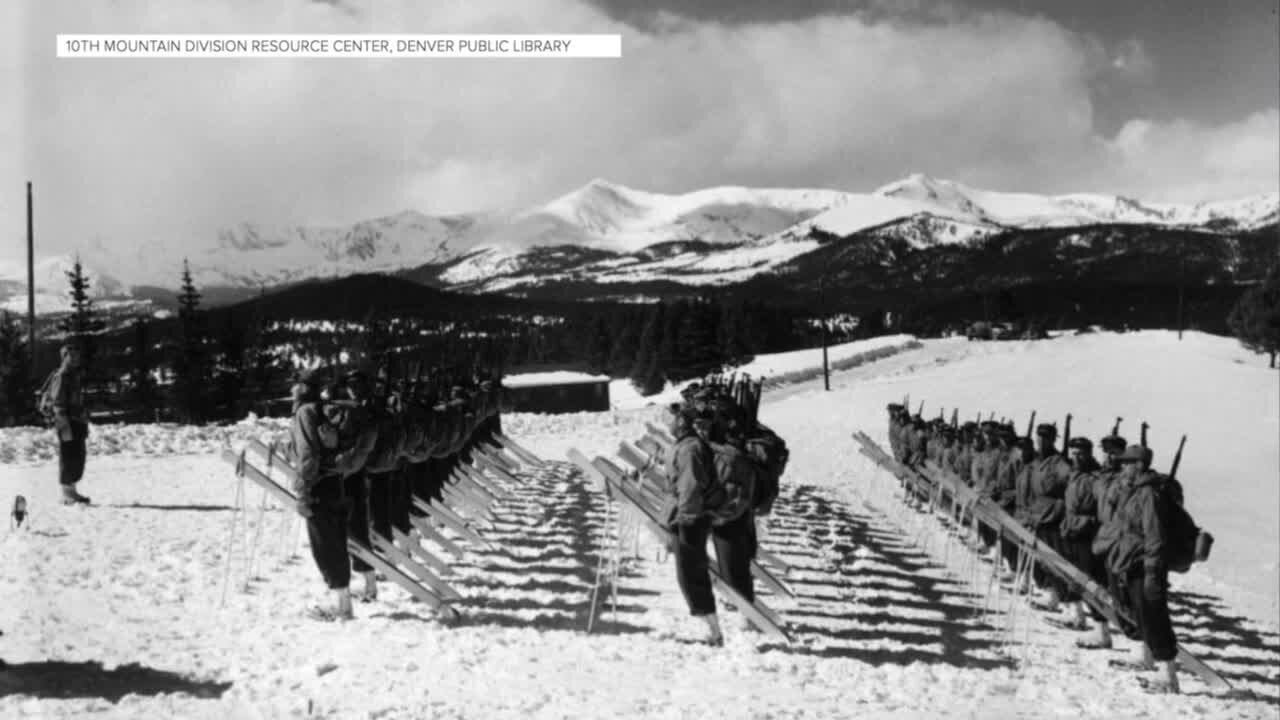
1109, 519
365, 447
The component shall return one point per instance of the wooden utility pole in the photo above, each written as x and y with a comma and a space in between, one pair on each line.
31, 281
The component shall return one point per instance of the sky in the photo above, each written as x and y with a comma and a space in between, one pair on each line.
1172, 101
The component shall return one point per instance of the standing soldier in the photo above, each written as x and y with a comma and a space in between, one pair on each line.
1139, 557
1047, 479
71, 421
690, 477
318, 487
357, 434
1079, 524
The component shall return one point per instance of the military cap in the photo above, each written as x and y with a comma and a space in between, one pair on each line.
1046, 430
1133, 453
1113, 442
1080, 443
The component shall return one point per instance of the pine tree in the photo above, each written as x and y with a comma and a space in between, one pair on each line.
697, 349
1255, 318
191, 367
647, 363
83, 324
599, 345
625, 333
16, 386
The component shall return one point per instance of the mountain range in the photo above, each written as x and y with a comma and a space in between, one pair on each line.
608, 241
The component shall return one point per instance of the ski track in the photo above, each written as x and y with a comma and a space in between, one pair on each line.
123, 602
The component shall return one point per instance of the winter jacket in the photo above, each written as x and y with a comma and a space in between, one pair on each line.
690, 480
1080, 511
1004, 490
1143, 519
357, 435
895, 439
67, 390
386, 453
313, 445
1047, 482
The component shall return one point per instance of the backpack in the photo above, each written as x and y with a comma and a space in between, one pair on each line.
737, 477
1187, 543
770, 453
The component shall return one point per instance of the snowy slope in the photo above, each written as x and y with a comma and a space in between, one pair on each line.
118, 611
744, 232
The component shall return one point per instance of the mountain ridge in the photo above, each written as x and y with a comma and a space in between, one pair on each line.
711, 236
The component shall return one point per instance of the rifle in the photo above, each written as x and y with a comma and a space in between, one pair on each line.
1144, 433
1177, 459
1066, 432
1031, 425
920, 412
955, 418
1115, 429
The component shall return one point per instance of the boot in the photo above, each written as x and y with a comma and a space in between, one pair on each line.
1100, 639
341, 609
71, 497
715, 638
370, 592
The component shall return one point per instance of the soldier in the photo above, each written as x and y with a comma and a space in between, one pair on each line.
983, 471
895, 430
1139, 557
690, 475
357, 433
319, 492
733, 533
1046, 488
71, 422
1079, 524
1015, 454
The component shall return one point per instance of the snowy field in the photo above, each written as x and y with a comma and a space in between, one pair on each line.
139, 607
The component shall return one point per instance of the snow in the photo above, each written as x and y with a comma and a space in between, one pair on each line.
755, 226
882, 630
557, 377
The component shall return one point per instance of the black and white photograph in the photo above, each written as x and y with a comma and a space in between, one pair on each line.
623, 359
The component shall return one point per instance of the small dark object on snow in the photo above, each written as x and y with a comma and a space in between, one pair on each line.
19, 511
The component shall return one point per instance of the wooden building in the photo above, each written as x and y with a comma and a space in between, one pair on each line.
543, 390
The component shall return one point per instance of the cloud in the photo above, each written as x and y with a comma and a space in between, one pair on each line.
130, 150
1186, 162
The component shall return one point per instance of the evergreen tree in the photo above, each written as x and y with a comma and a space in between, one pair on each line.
83, 324
626, 343
696, 341
599, 345
648, 365
1255, 318
17, 400
191, 366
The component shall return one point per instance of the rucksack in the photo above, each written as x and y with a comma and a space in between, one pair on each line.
1187, 543
770, 453
737, 475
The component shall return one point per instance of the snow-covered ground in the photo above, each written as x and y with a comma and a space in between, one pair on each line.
118, 610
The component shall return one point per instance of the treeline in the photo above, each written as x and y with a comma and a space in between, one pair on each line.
670, 341
212, 365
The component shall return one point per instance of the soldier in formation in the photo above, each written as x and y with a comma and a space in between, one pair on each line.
364, 450
1120, 523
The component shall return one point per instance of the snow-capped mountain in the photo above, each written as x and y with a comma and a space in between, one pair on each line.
606, 233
